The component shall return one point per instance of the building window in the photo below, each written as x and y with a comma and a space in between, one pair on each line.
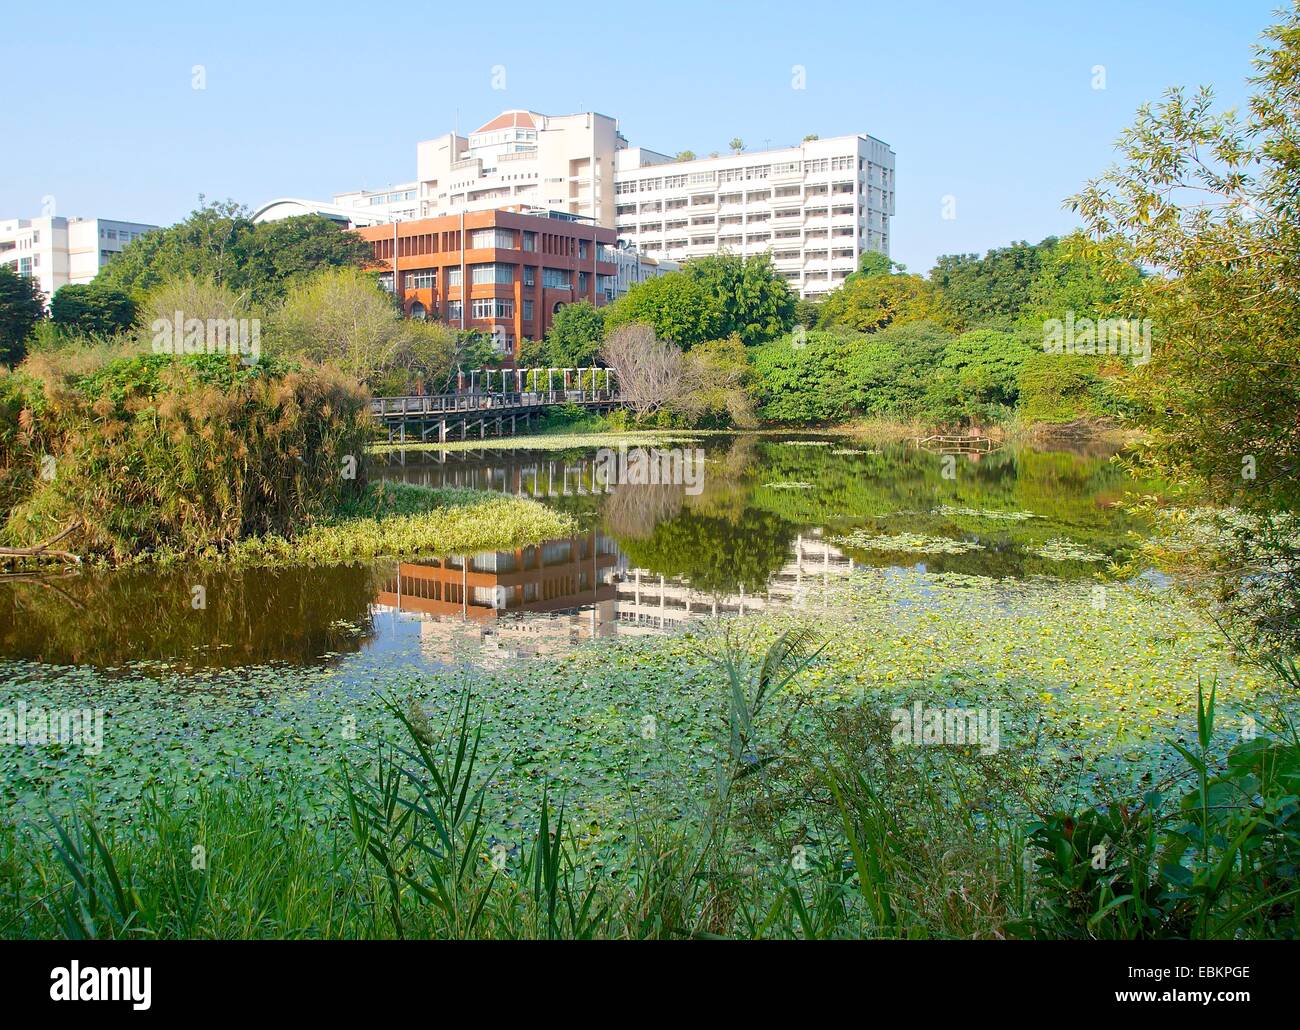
503, 239
490, 307
454, 310
528, 311
489, 274
419, 311
422, 280
556, 279
530, 240
454, 277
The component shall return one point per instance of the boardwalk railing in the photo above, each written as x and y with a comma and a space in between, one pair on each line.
956, 444
388, 408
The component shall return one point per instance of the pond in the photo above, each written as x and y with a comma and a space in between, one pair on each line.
966, 579
717, 526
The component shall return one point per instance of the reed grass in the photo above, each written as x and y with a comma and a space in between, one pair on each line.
153, 452
838, 834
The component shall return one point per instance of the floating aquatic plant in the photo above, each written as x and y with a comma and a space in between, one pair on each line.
1059, 549
914, 543
985, 513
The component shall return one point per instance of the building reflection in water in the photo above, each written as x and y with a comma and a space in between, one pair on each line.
542, 601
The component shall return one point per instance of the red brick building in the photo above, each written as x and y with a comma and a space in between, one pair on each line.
519, 268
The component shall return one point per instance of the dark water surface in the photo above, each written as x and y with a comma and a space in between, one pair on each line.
763, 527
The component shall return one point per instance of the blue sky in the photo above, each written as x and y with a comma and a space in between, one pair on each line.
989, 103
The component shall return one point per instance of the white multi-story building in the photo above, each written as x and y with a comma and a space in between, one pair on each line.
56, 251
520, 158
815, 207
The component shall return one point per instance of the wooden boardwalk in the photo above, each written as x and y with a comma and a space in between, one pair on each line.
460, 415
956, 444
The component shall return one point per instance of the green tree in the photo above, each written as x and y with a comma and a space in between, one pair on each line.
677, 306
872, 262
1073, 280
283, 252
978, 376
990, 290
737, 145
218, 242
806, 380
575, 335
871, 302
807, 312
342, 316
22, 305
92, 309
685, 155
1210, 204
755, 303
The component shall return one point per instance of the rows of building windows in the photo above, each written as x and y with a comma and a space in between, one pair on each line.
842, 163
419, 244
122, 235
496, 274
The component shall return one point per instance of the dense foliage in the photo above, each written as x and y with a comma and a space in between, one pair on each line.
22, 305
219, 242
1209, 202
340, 315
92, 309
994, 288
163, 453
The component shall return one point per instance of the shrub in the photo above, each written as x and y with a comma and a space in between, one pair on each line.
178, 453
978, 377
343, 316
805, 380
92, 308
893, 369
717, 373
1062, 388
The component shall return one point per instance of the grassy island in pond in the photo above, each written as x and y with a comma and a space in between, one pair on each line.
398, 519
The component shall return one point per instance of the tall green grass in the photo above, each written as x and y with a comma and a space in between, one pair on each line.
833, 834
159, 453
